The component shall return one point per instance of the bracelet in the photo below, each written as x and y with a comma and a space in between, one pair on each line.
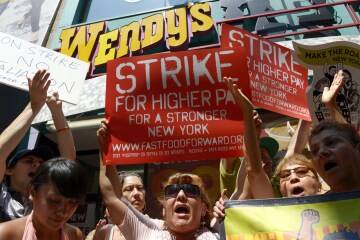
62, 129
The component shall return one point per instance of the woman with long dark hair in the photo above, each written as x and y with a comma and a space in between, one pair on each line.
56, 190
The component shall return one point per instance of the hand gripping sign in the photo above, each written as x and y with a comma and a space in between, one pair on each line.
277, 82
174, 106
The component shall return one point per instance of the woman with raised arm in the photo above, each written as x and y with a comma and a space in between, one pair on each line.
186, 208
16, 172
132, 189
295, 174
260, 184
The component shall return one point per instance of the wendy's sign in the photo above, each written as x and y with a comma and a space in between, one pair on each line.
173, 29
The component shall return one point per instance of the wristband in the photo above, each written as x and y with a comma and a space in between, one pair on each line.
62, 129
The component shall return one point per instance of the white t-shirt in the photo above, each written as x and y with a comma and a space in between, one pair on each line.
139, 227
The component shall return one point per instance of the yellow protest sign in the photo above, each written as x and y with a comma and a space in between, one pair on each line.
325, 217
347, 53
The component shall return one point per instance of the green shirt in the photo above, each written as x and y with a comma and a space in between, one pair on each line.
228, 180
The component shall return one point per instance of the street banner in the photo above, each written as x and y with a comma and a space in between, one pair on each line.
321, 217
278, 83
326, 60
174, 106
20, 60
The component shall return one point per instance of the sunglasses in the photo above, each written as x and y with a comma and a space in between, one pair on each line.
190, 190
299, 171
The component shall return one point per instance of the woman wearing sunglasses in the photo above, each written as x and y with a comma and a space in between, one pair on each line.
186, 208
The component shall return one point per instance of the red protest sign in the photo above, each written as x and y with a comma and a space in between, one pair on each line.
174, 106
278, 83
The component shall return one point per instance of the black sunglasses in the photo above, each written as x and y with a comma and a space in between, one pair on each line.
190, 190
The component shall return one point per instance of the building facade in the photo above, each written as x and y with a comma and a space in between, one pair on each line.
93, 30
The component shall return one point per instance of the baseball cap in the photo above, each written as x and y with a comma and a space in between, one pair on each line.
270, 144
42, 152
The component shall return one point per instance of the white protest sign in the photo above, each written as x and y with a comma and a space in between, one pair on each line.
20, 59
326, 60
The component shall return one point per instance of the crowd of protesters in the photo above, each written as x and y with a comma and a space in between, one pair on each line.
40, 192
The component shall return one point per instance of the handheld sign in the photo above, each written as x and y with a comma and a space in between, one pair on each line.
174, 106
326, 60
321, 217
20, 59
278, 83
